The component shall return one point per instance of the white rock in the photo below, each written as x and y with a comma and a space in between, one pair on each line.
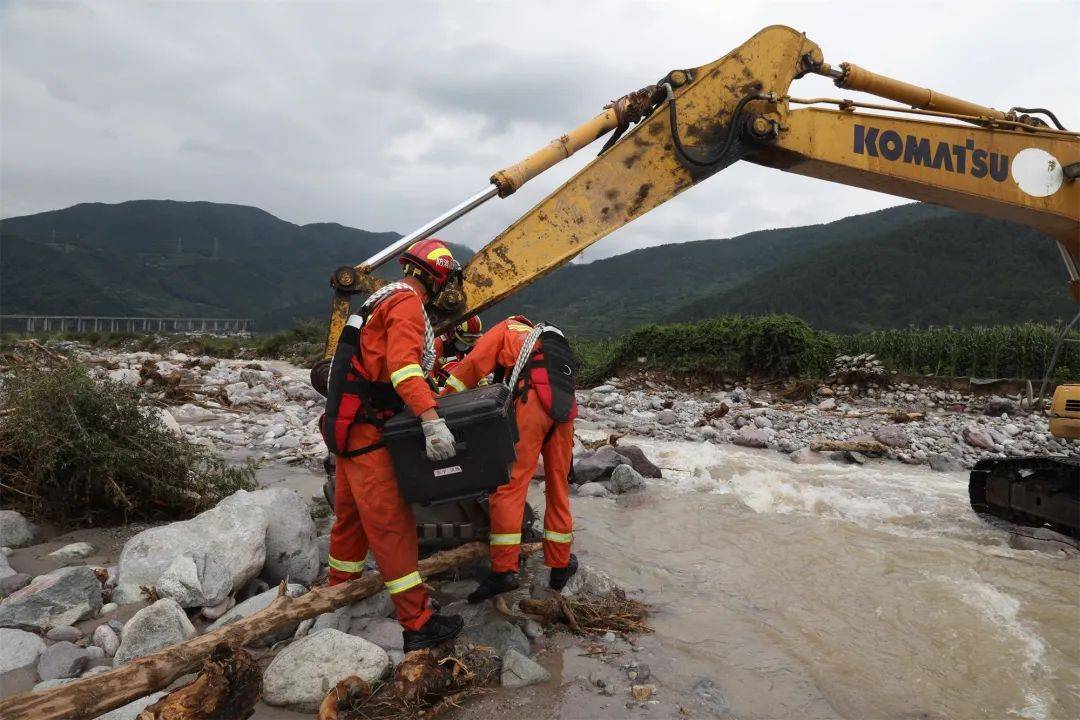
15, 530
72, 552
62, 597
128, 376
519, 671
235, 536
106, 638
594, 489
19, 649
169, 421
194, 580
827, 404
301, 674
153, 628
291, 551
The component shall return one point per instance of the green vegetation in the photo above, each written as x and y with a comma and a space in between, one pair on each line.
913, 265
80, 451
782, 346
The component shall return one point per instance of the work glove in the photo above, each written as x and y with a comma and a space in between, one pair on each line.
439, 441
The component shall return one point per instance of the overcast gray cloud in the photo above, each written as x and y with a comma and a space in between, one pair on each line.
382, 115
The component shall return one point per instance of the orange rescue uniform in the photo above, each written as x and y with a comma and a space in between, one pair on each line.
538, 435
368, 506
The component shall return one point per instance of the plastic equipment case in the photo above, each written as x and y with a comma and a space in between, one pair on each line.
482, 421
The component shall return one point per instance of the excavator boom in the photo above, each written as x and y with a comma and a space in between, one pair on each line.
695, 122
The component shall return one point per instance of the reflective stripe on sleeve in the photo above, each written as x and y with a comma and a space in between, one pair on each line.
558, 536
403, 583
345, 565
456, 384
409, 371
505, 539
519, 327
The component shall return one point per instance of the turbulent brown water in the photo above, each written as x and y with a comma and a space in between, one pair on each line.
841, 590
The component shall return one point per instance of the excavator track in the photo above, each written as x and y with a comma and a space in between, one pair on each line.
1031, 491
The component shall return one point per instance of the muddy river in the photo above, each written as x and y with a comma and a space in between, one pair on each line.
841, 590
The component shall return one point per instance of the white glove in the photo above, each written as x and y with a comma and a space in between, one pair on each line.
439, 440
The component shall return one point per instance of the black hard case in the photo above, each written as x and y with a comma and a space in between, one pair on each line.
482, 421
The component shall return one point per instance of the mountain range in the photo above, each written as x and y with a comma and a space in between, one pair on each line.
909, 265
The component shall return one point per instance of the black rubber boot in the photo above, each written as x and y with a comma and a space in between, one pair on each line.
437, 630
494, 584
561, 576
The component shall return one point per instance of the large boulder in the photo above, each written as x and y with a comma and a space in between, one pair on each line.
892, 436
291, 550
749, 436
253, 605
597, 465
234, 535
588, 581
63, 597
15, 530
153, 628
195, 580
19, 649
977, 437
625, 479
638, 461
301, 674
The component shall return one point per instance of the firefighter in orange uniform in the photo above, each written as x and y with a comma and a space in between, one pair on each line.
396, 351
539, 433
455, 345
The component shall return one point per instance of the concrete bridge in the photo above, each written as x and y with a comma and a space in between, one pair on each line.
101, 323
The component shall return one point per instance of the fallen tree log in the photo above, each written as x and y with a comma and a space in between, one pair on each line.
227, 688
90, 697
871, 447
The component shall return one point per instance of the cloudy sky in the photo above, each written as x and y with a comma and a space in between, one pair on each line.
382, 115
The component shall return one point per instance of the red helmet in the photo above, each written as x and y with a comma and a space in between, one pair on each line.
469, 331
431, 256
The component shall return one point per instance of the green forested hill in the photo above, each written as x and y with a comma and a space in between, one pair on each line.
160, 257
913, 264
953, 270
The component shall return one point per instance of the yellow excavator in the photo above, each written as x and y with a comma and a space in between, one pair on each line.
1019, 165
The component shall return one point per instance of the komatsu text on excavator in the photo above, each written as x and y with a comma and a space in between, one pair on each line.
1019, 164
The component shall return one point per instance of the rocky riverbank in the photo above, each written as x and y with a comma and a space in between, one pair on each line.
77, 605
268, 411
944, 429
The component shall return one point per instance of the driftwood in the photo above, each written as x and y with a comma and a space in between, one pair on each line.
859, 446
425, 685
590, 614
227, 688
90, 697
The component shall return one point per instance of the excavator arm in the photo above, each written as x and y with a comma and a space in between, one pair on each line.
738, 108
696, 122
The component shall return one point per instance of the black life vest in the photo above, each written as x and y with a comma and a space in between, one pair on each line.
352, 396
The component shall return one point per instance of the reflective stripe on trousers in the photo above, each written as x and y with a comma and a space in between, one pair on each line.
346, 565
403, 583
504, 539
